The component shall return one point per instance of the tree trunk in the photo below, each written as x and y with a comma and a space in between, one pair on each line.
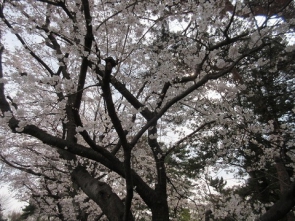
160, 212
285, 183
101, 193
160, 209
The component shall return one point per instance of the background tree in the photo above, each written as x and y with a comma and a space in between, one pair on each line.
263, 154
109, 105
272, 100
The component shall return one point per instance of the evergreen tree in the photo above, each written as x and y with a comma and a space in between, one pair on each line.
270, 94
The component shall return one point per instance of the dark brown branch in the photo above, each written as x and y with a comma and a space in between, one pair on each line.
91, 142
87, 48
110, 104
146, 113
163, 94
281, 207
159, 159
121, 133
12, 102
57, 48
60, 4
4, 105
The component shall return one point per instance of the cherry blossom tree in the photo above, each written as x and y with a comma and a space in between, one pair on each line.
101, 95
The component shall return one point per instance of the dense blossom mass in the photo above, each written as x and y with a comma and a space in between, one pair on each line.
140, 110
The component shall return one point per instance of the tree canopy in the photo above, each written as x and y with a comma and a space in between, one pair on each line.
127, 110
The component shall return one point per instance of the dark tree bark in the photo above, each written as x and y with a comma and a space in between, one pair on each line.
4, 105
101, 193
281, 207
160, 210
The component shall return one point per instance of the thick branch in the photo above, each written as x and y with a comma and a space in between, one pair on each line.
159, 159
110, 104
101, 193
121, 133
281, 207
146, 113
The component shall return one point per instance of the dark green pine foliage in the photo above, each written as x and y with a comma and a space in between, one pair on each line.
272, 99
28, 211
